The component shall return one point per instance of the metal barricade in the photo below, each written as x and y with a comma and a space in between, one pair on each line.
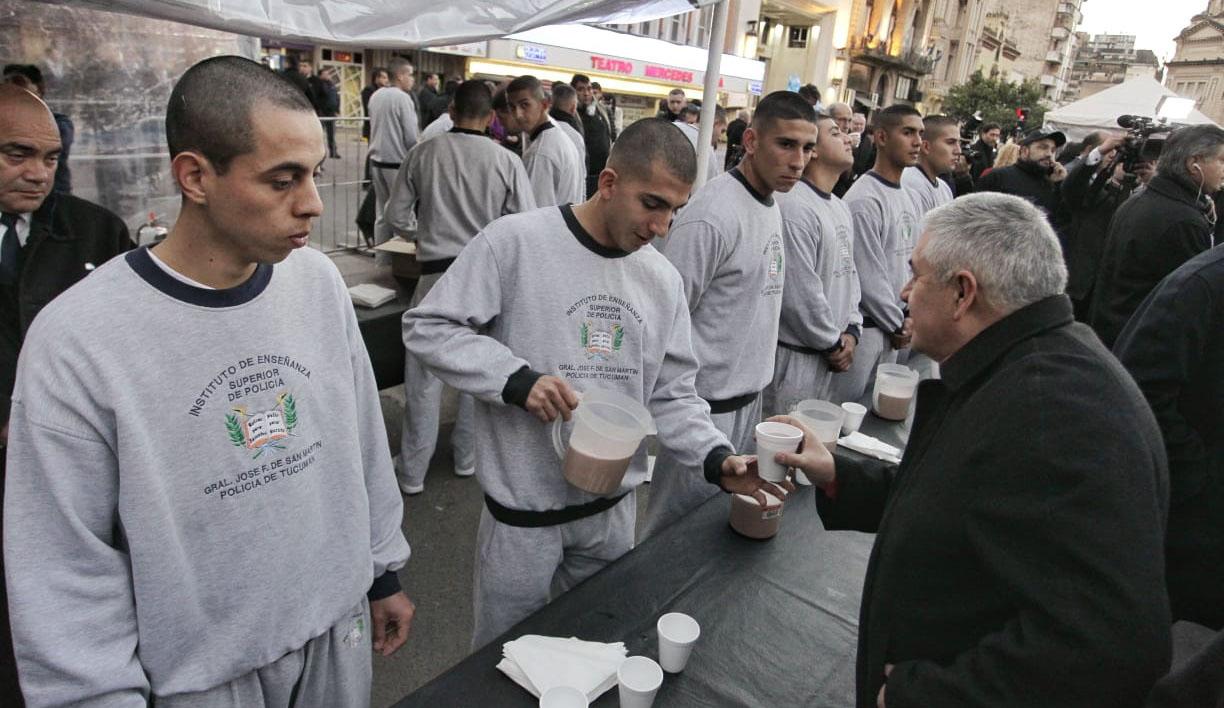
342, 187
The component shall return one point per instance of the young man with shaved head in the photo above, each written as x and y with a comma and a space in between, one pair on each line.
554, 165
48, 242
201, 509
820, 324
452, 187
885, 229
728, 247
940, 151
572, 299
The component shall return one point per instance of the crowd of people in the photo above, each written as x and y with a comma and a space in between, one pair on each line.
201, 507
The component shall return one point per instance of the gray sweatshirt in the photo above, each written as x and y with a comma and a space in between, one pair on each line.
556, 171
554, 300
821, 299
198, 482
393, 124
885, 230
452, 186
727, 245
575, 138
926, 194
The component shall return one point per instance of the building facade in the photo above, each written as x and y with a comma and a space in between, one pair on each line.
1044, 33
1197, 67
957, 40
998, 52
1106, 60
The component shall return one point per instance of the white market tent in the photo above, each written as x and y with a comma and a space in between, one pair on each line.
1100, 111
414, 24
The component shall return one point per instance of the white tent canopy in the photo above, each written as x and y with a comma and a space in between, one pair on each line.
1100, 111
390, 24
407, 24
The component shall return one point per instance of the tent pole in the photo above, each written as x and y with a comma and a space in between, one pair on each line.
718, 35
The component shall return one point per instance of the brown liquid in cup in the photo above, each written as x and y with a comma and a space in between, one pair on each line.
893, 407
749, 518
596, 475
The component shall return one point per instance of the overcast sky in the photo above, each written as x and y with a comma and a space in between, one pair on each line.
1154, 22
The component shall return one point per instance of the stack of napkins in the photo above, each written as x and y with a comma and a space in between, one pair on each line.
872, 447
538, 663
371, 295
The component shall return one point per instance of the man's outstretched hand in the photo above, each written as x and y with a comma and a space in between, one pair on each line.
740, 476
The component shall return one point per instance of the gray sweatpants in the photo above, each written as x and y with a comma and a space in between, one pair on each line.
334, 669
798, 376
676, 490
873, 349
422, 410
382, 179
518, 570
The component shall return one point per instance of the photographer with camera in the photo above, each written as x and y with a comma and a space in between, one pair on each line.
1097, 184
1035, 177
1170, 222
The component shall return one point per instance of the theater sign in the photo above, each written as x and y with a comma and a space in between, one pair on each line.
621, 63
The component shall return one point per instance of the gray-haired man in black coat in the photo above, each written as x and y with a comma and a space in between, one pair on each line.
1019, 558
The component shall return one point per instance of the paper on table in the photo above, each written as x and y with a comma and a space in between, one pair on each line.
872, 447
538, 663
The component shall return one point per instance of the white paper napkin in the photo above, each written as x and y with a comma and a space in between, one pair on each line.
872, 447
538, 663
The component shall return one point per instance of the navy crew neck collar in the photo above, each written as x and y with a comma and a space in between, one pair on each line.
540, 129
141, 262
585, 238
819, 192
883, 180
739, 176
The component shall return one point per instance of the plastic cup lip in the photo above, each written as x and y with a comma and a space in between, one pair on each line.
563, 697
772, 501
678, 628
778, 433
854, 408
640, 673
819, 410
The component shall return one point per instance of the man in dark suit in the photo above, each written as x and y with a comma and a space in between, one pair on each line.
1174, 347
47, 243
1019, 556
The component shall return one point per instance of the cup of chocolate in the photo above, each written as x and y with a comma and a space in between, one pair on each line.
749, 518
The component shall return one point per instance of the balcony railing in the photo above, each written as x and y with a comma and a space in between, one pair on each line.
1054, 56
913, 61
1060, 32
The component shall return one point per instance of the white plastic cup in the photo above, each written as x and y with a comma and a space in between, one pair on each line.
638, 680
677, 634
855, 412
771, 439
563, 697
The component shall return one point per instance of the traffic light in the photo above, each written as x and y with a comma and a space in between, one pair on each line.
1021, 117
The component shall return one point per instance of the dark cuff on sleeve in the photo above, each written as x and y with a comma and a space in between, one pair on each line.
518, 386
854, 331
384, 586
714, 462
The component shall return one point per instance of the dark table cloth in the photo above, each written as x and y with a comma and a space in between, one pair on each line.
779, 618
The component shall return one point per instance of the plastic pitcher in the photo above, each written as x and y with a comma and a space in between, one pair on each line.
823, 418
894, 390
608, 427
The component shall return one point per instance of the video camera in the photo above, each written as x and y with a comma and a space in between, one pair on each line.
1145, 139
